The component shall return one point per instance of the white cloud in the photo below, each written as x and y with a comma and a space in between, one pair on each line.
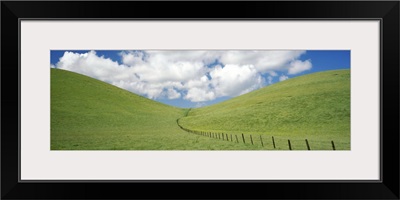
202, 82
173, 94
263, 60
234, 80
298, 66
187, 74
132, 57
94, 66
272, 73
159, 71
283, 77
198, 95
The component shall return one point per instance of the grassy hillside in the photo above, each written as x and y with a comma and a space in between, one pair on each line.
87, 114
314, 107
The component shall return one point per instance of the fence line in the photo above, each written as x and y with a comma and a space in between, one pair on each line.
226, 138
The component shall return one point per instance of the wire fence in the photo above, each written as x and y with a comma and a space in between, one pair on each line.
260, 140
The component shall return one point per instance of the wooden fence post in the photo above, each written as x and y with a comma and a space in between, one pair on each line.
251, 138
273, 142
227, 137
262, 144
231, 138
290, 146
244, 141
237, 141
333, 145
223, 136
308, 145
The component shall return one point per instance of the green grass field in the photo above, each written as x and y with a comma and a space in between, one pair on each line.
314, 107
87, 114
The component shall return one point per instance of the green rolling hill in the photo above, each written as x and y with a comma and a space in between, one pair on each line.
314, 107
87, 114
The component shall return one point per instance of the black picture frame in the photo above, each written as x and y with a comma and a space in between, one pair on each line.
386, 11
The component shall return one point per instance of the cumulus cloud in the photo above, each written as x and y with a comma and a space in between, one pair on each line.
94, 66
199, 95
283, 77
298, 66
262, 60
173, 94
132, 57
272, 73
234, 80
197, 76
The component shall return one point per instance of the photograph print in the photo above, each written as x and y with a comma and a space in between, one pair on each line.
200, 100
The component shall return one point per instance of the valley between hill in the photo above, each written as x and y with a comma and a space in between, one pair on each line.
88, 114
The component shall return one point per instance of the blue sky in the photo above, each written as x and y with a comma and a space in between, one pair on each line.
196, 78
